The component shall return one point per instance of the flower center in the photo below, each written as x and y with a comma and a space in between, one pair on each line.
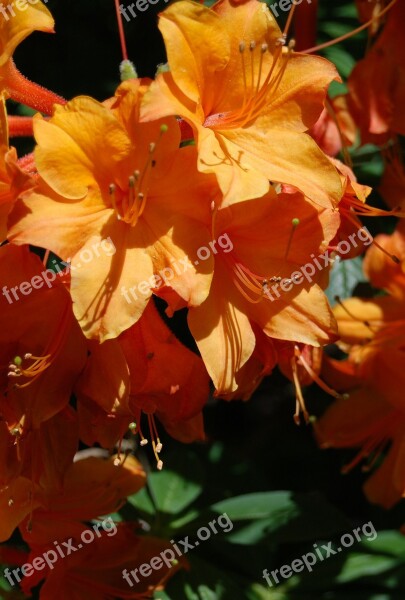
129, 204
256, 83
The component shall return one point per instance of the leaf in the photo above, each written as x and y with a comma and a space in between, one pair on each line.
344, 277
172, 490
258, 506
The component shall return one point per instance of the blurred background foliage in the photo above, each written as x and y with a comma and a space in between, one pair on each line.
282, 493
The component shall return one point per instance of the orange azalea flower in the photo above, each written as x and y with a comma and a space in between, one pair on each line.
257, 252
378, 112
145, 370
96, 571
35, 462
365, 419
126, 207
92, 487
261, 363
372, 333
248, 99
167, 380
42, 347
351, 205
102, 393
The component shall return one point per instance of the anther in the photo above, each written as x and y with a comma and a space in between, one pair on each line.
264, 48
27, 355
143, 442
152, 147
252, 46
242, 46
159, 465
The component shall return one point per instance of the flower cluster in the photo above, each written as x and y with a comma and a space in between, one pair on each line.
230, 142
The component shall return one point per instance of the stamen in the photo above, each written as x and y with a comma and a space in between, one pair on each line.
295, 222
18, 368
299, 398
301, 360
351, 33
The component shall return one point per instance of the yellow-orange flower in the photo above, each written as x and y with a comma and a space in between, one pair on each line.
248, 99
121, 202
256, 279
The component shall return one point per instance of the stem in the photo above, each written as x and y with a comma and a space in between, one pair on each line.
20, 126
29, 93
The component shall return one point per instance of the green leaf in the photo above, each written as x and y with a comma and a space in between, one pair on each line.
344, 277
172, 490
259, 505
142, 502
